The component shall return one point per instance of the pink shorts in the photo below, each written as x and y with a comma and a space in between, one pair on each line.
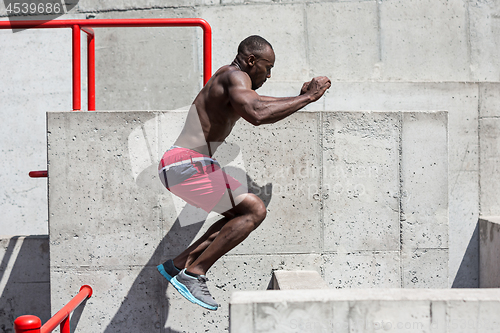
196, 178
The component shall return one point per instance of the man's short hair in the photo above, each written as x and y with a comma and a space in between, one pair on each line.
253, 45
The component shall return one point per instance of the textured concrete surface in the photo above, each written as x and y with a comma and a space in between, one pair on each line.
113, 228
351, 310
293, 280
170, 74
462, 100
424, 206
489, 154
399, 56
24, 279
24, 99
361, 181
489, 252
489, 169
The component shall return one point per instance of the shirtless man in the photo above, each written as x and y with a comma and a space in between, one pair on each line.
189, 171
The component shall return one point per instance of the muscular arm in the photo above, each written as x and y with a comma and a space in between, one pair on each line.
260, 110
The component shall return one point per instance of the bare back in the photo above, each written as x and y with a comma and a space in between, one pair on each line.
211, 116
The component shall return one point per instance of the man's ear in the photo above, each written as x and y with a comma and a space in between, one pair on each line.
251, 60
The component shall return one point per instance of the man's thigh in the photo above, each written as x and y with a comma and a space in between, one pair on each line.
229, 201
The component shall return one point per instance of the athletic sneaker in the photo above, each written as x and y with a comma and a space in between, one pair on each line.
168, 269
194, 289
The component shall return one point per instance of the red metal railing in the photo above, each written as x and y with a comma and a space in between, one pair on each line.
33, 324
86, 26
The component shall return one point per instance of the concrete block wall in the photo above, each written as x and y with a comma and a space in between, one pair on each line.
417, 55
489, 141
360, 197
374, 310
430, 55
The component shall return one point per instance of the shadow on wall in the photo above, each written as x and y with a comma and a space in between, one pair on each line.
468, 272
24, 279
138, 308
147, 303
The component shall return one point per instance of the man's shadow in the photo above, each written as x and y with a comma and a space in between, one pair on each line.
146, 306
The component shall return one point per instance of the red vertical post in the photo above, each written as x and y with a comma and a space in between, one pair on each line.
207, 53
27, 324
65, 325
91, 68
76, 69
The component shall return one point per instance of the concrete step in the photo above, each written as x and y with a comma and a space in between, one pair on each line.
293, 280
366, 310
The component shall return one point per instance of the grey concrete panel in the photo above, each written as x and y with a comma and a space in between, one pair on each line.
241, 322
282, 25
424, 175
461, 100
360, 181
424, 40
155, 68
282, 164
24, 279
470, 316
110, 217
292, 317
373, 316
36, 67
344, 51
283, 161
363, 270
23, 103
484, 40
489, 103
490, 160
425, 268
96, 206
489, 252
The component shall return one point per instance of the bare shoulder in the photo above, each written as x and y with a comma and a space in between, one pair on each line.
225, 82
230, 76
237, 78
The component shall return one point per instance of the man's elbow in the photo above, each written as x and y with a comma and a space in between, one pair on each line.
255, 118
256, 121
255, 114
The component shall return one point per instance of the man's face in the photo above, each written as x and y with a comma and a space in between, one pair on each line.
261, 70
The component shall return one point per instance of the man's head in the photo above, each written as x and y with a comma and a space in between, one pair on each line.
256, 58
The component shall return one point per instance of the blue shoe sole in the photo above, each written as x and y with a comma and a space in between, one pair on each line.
163, 272
187, 294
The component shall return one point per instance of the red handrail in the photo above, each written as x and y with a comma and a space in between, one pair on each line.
33, 324
87, 25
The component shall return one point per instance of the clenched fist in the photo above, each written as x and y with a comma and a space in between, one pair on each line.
316, 87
